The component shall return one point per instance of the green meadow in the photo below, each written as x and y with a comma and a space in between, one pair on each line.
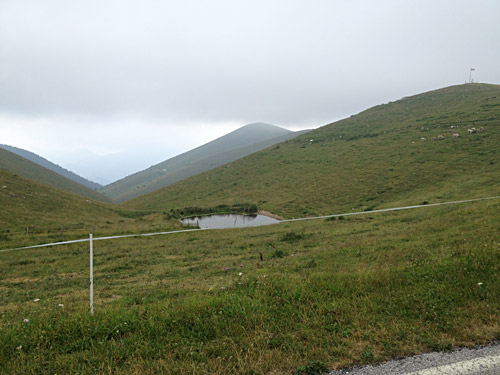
264, 300
291, 298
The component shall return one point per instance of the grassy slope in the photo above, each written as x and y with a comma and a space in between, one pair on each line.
28, 169
342, 292
45, 210
372, 160
53, 167
232, 146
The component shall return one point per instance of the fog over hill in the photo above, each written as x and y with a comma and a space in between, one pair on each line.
52, 166
235, 145
202, 69
29, 170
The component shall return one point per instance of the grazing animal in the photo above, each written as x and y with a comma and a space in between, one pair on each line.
482, 129
456, 135
471, 130
440, 137
423, 139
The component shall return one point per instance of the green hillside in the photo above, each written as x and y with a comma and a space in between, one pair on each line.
28, 169
278, 299
36, 213
371, 160
25, 202
232, 146
53, 167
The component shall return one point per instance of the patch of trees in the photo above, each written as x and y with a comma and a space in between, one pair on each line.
237, 208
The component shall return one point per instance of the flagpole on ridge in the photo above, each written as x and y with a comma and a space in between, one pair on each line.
470, 74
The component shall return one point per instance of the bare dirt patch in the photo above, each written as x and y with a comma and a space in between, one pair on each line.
269, 214
69, 275
18, 280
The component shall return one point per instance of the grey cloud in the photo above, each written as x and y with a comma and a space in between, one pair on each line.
288, 62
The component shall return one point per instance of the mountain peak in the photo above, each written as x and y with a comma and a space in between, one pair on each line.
232, 146
261, 125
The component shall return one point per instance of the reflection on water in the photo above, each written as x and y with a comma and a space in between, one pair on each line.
228, 221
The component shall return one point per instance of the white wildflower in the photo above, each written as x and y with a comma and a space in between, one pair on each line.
26, 320
479, 284
36, 300
240, 274
60, 305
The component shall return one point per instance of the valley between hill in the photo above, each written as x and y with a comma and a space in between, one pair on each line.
279, 299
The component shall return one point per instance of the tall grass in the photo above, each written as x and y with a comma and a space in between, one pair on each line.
344, 292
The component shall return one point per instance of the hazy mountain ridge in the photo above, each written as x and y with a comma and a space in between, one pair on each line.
51, 166
230, 147
25, 168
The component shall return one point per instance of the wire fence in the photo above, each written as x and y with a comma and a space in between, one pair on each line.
82, 229
91, 239
281, 221
101, 238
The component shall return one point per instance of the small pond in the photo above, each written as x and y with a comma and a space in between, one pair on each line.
228, 221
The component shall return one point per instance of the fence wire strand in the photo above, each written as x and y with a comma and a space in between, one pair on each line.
281, 221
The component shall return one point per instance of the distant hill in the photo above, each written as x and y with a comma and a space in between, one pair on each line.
388, 155
25, 168
53, 167
232, 146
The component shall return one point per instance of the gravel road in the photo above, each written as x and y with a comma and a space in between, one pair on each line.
477, 361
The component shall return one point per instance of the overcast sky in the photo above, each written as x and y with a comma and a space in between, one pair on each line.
107, 87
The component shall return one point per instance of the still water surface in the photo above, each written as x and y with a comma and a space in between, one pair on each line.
228, 221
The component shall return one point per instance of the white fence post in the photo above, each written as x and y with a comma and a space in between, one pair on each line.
91, 276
